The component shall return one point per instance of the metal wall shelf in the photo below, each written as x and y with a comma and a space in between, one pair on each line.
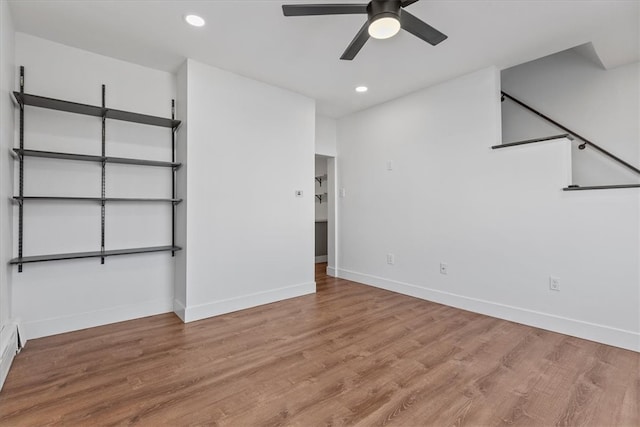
93, 110
321, 197
94, 199
320, 179
104, 113
92, 158
532, 141
600, 187
93, 254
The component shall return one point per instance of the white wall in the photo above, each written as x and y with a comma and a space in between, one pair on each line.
249, 239
498, 218
602, 105
54, 297
7, 85
325, 136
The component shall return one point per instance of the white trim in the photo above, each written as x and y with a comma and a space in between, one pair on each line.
321, 258
332, 212
600, 333
8, 349
215, 308
332, 272
90, 319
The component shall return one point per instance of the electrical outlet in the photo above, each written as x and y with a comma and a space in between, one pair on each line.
554, 283
391, 259
444, 268
299, 193
342, 192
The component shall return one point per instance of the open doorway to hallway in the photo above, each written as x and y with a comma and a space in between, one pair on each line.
325, 212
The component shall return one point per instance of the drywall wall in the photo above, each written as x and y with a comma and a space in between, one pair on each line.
7, 82
602, 105
249, 238
56, 297
497, 218
325, 136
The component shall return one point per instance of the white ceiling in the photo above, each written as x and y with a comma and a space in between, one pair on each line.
254, 39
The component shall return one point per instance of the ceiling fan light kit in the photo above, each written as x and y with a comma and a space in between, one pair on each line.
384, 28
385, 18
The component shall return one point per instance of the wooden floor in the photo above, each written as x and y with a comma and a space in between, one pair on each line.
349, 355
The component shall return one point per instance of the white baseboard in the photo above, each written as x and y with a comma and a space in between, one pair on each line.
594, 332
331, 271
8, 349
321, 258
90, 319
216, 308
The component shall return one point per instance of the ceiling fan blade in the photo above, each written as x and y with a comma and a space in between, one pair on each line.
420, 28
406, 3
322, 9
356, 44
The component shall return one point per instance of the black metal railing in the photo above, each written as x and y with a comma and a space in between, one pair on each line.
585, 141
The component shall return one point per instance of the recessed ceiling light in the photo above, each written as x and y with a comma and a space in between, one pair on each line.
194, 20
362, 89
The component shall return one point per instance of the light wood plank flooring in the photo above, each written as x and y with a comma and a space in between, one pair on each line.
349, 355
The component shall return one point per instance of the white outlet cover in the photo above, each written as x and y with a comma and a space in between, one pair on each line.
554, 283
444, 268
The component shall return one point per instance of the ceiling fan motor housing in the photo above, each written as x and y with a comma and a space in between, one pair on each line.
377, 9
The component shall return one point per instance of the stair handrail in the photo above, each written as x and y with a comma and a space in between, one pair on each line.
585, 141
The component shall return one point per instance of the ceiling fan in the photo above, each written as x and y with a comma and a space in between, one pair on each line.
384, 20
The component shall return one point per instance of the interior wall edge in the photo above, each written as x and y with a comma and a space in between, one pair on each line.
179, 309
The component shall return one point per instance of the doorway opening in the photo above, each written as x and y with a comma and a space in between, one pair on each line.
325, 212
